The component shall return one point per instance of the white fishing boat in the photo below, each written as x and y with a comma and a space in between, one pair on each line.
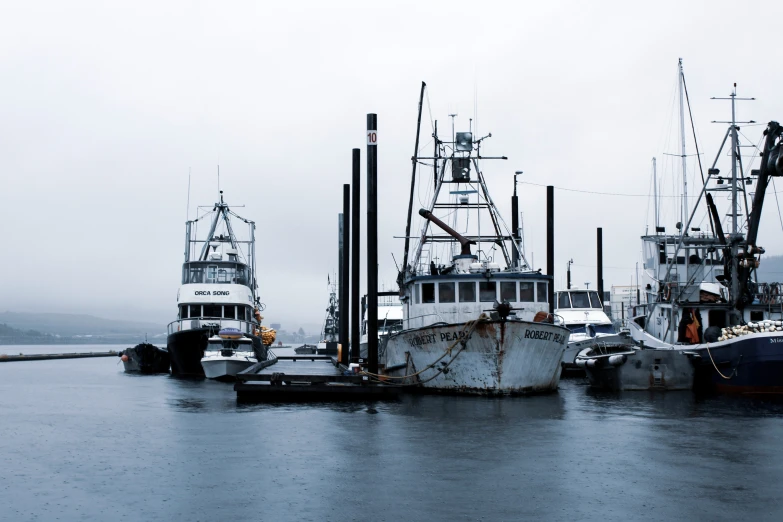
390, 318
219, 290
478, 323
227, 354
330, 331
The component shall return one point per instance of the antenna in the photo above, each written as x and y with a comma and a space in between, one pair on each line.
218, 177
453, 136
734, 156
187, 207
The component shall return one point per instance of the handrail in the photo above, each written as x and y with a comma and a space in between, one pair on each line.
247, 326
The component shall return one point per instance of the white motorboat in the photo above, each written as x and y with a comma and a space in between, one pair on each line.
225, 357
582, 312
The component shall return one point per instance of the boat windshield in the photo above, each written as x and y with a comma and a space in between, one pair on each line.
215, 273
580, 300
596, 328
242, 345
563, 301
595, 301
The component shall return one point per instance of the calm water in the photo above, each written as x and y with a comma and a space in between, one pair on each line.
81, 440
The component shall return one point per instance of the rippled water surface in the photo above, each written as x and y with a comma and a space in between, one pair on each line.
81, 440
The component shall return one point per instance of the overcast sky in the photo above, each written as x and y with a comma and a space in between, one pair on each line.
104, 110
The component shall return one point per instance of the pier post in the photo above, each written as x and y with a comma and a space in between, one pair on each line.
355, 260
372, 243
345, 264
550, 244
600, 263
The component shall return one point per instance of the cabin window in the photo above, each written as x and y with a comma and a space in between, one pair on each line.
213, 310
541, 290
183, 311
467, 292
594, 301
446, 292
222, 276
248, 313
428, 292
229, 312
211, 273
417, 294
488, 291
580, 300
195, 310
755, 315
562, 300
508, 291
193, 275
526, 293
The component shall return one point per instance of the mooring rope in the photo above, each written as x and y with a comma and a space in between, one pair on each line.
716, 366
466, 332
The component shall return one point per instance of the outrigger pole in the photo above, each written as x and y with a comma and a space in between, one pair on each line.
414, 161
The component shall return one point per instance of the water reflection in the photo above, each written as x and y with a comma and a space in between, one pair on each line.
185, 449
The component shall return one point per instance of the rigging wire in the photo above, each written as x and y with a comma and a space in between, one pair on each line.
778, 204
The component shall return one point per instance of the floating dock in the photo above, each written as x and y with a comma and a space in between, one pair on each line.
50, 356
307, 378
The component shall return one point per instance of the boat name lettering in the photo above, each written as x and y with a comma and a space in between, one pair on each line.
775, 340
422, 339
453, 336
216, 292
545, 336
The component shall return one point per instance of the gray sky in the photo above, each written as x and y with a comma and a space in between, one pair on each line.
104, 109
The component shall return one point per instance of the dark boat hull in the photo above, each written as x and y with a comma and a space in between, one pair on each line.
186, 349
145, 358
750, 364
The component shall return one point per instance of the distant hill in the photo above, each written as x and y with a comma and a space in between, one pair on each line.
68, 325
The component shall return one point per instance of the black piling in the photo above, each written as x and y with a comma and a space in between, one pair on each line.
515, 225
345, 272
355, 268
550, 244
372, 243
600, 263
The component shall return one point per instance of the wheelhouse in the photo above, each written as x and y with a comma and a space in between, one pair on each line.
456, 298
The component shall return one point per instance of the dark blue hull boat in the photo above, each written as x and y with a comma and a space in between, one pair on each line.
750, 364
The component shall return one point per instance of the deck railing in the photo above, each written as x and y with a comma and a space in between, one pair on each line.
217, 322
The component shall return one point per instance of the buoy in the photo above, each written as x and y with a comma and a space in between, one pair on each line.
617, 360
124, 358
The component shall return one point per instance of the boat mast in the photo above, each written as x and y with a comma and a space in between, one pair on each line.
415, 161
655, 195
682, 140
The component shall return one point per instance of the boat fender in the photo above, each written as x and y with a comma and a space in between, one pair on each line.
591, 363
124, 358
617, 360
581, 363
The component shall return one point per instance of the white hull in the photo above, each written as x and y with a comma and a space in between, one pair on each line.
511, 357
226, 368
579, 341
